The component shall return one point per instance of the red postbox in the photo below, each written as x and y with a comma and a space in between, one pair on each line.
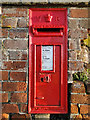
48, 60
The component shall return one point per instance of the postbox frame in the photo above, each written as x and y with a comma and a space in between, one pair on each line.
64, 106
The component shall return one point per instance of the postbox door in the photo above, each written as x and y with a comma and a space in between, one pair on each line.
48, 75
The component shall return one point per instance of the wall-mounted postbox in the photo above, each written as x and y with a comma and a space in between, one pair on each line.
48, 60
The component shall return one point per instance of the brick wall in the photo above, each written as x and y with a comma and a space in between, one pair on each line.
14, 68
78, 30
14, 41
79, 101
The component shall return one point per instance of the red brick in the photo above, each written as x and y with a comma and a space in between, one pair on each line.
5, 116
77, 117
0, 16
88, 98
15, 44
3, 75
18, 76
78, 87
88, 87
84, 109
24, 55
79, 99
18, 33
21, 117
0, 98
24, 108
9, 22
3, 32
4, 97
74, 109
0, 86
22, 23
18, 55
79, 13
19, 97
18, 116
13, 65
85, 117
15, 12
6, 65
28, 116
0, 115
76, 65
11, 86
10, 108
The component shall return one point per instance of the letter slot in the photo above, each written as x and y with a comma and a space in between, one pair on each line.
48, 31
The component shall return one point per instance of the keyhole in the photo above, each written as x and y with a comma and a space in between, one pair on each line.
46, 78
41, 79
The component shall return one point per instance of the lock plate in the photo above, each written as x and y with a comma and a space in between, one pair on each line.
45, 78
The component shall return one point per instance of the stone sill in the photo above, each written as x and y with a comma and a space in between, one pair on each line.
28, 2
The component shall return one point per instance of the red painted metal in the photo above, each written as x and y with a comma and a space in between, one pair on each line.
48, 18
48, 88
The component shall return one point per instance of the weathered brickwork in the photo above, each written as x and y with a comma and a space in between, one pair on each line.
77, 31
79, 101
14, 86
14, 69
14, 40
